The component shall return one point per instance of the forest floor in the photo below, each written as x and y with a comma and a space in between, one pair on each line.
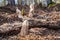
41, 33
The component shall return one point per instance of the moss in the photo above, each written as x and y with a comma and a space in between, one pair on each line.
51, 4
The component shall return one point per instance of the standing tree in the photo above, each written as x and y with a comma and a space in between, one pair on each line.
4, 2
19, 2
11, 2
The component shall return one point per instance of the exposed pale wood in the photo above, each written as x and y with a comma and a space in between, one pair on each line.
25, 28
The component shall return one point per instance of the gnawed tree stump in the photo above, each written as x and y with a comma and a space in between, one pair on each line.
31, 11
25, 28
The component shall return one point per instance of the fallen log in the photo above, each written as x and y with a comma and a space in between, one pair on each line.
10, 27
37, 23
47, 24
43, 23
32, 23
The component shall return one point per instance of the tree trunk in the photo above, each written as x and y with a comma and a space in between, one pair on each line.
5, 28
19, 2
11, 2
4, 2
43, 22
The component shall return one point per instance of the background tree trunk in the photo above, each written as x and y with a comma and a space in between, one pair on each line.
11, 2
19, 2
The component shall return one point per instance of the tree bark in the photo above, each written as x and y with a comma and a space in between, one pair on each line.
11, 2
31, 22
43, 22
10, 27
